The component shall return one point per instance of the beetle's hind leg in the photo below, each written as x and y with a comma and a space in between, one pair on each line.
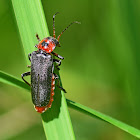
57, 78
25, 74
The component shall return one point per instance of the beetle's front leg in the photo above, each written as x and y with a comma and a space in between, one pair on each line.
57, 55
57, 78
25, 74
37, 37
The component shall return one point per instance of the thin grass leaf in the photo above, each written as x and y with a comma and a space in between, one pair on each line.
11, 80
129, 129
93, 113
31, 20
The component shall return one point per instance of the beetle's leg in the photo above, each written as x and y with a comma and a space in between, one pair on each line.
58, 63
57, 55
57, 78
28, 66
29, 56
25, 74
35, 46
37, 37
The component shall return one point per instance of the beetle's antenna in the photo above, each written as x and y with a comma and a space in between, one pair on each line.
54, 24
37, 37
67, 28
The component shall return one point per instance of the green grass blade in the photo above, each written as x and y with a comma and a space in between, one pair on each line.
31, 20
93, 113
11, 80
129, 129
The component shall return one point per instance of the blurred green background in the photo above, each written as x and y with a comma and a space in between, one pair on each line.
101, 69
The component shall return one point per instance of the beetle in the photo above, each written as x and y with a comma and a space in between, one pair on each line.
42, 70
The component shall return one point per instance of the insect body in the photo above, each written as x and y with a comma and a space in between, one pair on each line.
42, 80
42, 74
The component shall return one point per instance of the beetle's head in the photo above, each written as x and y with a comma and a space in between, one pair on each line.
48, 44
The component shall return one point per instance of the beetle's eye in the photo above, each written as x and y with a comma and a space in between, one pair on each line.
43, 43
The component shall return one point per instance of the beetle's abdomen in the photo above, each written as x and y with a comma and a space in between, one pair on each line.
41, 78
44, 108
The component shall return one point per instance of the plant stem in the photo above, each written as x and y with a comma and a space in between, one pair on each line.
31, 20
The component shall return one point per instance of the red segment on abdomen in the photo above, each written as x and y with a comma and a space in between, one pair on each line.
40, 109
